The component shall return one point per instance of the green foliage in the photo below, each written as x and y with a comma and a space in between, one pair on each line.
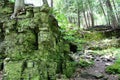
70, 68
12, 0
5, 11
83, 63
61, 18
93, 36
113, 69
117, 61
118, 54
13, 70
68, 33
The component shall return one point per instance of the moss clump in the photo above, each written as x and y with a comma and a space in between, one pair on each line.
70, 68
84, 63
31, 73
113, 69
13, 70
96, 36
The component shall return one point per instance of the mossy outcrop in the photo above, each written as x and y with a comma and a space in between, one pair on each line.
34, 49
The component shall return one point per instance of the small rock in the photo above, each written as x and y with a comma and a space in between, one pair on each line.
86, 75
98, 75
105, 78
108, 64
97, 59
114, 58
93, 75
89, 57
104, 59
109, 60
7, 59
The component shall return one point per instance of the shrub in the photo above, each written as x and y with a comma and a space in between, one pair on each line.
84, 63
113, 69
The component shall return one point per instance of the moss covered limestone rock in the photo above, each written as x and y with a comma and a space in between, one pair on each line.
34, 49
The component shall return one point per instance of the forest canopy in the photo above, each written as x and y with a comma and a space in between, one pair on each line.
88, 13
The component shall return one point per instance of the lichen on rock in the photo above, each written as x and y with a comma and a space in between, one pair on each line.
34, 48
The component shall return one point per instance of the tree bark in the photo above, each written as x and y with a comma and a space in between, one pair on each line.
88, 19
111, 12
19, 5
86, 24
51, 3
45, 2
85, 19
117, 17
91, 13
78, 17
105, 15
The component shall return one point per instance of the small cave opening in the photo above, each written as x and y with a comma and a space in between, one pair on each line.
73, 47
2, 32
36, 30
2, 45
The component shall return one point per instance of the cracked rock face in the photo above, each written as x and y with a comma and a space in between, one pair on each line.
32, 47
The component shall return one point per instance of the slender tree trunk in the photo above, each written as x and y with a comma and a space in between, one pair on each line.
85, 19
74, 20
117, 17
45, 2
91, 13
19, 5
88, 18
109, 19
70, 19
92, 19
86, 24
113, 19
51, 3
78, 17
105, 15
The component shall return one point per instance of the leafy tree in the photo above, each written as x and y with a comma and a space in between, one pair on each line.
89, 13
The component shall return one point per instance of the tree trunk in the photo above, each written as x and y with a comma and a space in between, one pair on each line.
45, 2
78, 17
105, 15
70, 20
51, 3
113, 19
19, 6
91, 13
86, 24
88, 18
117, 17
85, 19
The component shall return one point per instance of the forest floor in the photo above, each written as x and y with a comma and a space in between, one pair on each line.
96, 71
103, 53
101, 60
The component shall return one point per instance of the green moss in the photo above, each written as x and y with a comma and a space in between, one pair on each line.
93, 36
83, 63
31, 73
13, 70
5, 10
70, 68
23, 25
113, 69
20, 45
